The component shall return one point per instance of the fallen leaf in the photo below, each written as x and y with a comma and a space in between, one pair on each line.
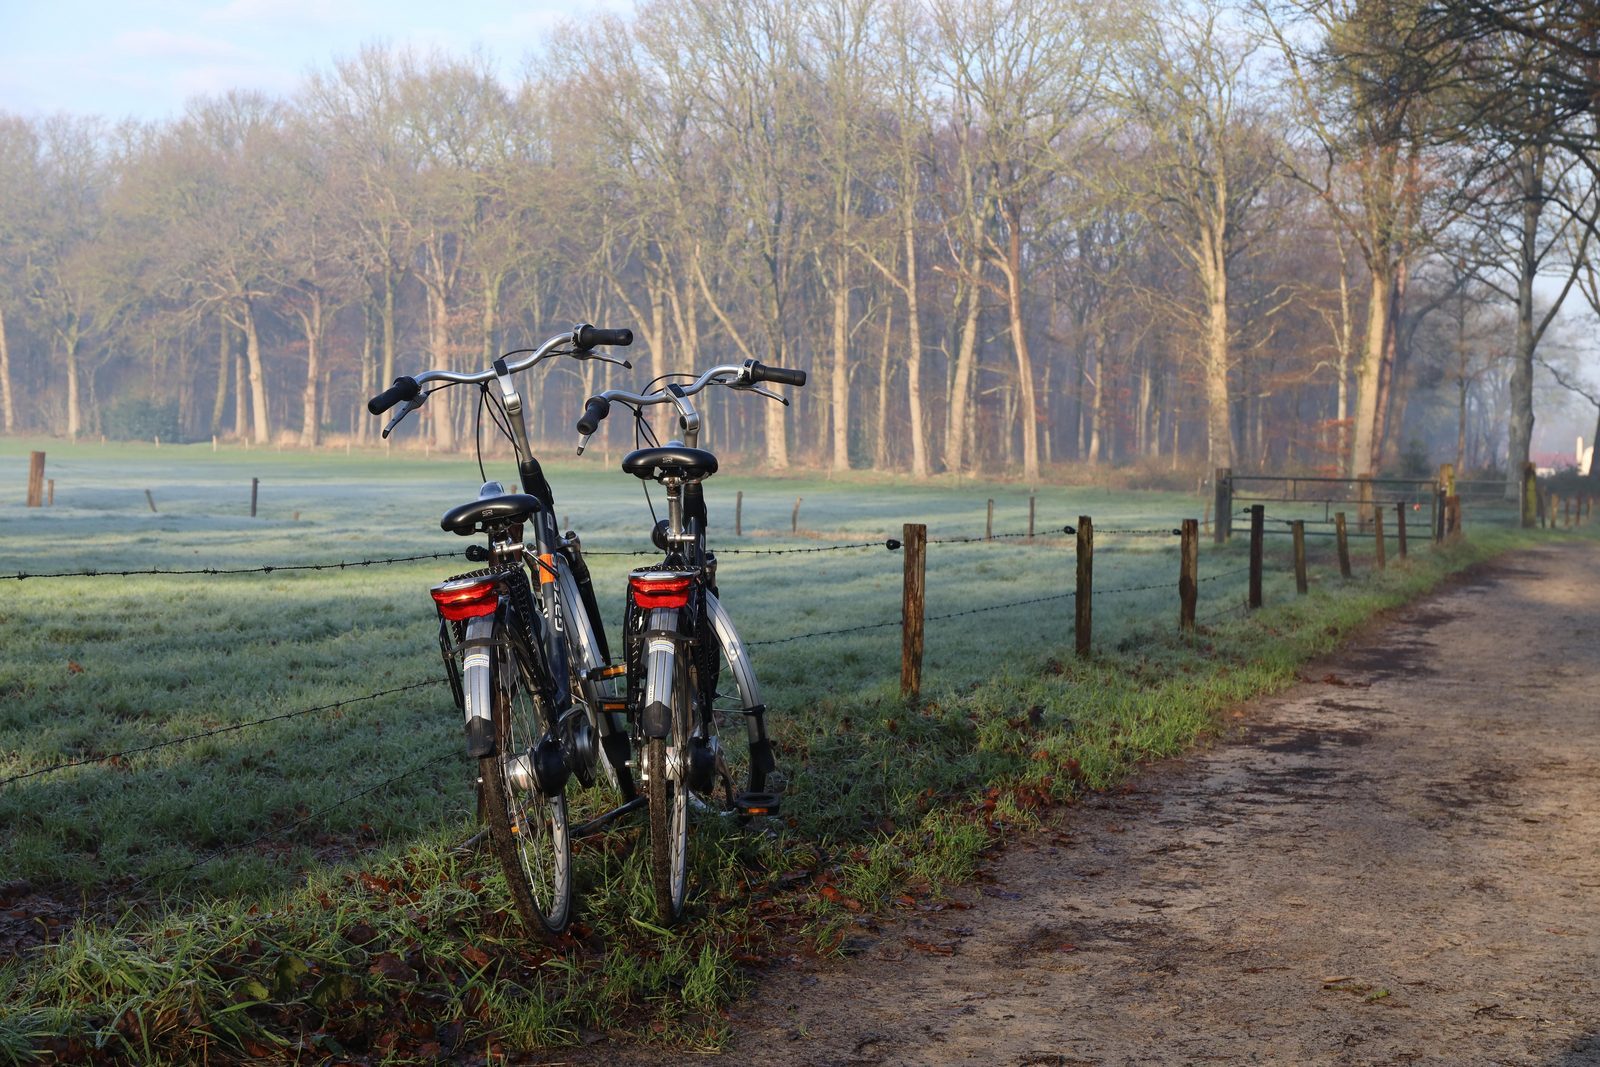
475, 956
392, 967
931, 947
74, 668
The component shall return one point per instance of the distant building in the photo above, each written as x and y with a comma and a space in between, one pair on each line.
1584, 457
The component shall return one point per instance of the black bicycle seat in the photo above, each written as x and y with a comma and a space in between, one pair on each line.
671, 461
489, 513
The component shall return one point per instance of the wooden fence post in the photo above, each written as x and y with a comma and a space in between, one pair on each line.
1380, 554
914, 543
148, 499
1400, 526
738, 514
794, 516
1566, 513
1032, 500
1085, 596
1530, 495
1188, 575
1344, 544
1453, 506
1258, 518
52, 486
1298, 528
1438, 516
988, 522
255, 487
1223, 530
35, 479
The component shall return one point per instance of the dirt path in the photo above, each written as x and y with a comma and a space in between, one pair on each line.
1397, 864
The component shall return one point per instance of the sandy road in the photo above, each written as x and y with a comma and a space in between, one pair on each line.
1397, 863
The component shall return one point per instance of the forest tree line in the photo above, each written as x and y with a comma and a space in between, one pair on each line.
999, 235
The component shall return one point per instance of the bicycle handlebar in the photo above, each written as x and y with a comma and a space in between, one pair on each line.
404, 388
742, 376
594, 413
777, 375
582, 338
587, 336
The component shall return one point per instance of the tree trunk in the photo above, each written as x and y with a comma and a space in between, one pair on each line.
444, 431
958, 413
1028, 412
840, 382
311, 424
1369, 373
1219, 415
1096, 402
1521, 385
880, 440
389, 339
919, 447
241, 398
361, 426
260, 425
219, 403
74, 402
8, 409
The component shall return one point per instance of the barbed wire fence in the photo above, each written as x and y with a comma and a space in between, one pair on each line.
1059, 538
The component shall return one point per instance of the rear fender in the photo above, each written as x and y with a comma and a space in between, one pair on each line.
478, 669
661, 642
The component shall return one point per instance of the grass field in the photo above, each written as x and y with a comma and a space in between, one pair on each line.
293, 887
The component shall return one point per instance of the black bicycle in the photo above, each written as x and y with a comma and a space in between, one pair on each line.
523, 645
679, 642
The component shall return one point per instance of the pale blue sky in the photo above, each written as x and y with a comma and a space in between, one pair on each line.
145, 58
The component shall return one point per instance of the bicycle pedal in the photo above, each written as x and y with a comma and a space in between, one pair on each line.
757, 803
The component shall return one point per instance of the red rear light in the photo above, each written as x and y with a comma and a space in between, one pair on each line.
660, 589
466, 599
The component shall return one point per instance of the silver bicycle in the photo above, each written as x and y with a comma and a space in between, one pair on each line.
523, 645
679, 642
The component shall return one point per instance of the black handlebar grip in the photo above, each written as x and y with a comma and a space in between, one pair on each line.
594, 412
403, 389
779, 375
589, 336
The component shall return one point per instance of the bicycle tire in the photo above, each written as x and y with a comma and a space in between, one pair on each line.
668, 794
527, 830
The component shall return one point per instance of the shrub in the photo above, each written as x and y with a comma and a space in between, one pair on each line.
140, 418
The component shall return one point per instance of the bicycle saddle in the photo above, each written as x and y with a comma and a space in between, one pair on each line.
676, 461
487, 513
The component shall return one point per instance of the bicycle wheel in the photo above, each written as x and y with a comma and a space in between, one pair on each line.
666, 763
528, 828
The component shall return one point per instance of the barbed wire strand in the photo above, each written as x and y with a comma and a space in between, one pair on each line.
230, 728
891, 544
264, 569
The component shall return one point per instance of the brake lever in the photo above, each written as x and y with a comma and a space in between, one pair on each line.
411, 405
769, 394
604, 359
